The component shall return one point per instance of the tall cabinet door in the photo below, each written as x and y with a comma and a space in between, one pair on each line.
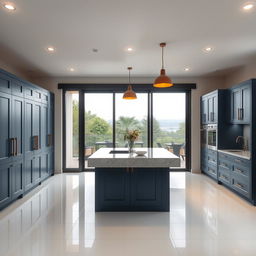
18, 127
17, 170
37, 140
28, 149
6, 148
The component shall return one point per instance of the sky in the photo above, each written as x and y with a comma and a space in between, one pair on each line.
166, 106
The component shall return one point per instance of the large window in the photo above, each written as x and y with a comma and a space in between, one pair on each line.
129, 115
101, 118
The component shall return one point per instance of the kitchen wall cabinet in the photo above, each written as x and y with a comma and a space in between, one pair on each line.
241, 103
26, 137
209, 107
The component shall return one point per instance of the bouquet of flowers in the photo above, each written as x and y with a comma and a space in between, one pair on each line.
131, 136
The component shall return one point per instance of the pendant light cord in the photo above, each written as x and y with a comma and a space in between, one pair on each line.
162, 57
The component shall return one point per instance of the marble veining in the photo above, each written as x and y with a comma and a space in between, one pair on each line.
155, 157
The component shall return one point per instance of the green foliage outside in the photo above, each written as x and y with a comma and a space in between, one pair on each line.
97, 129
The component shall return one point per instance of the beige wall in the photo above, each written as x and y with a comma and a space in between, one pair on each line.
14, 70
204, 85
244, 73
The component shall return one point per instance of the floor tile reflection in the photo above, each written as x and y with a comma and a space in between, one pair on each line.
58, 218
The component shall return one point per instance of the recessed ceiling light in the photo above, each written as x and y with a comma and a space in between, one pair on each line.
95, 50
129, 49
72, 69
208, 49
50, 49
248, 6
9, 6
187, 69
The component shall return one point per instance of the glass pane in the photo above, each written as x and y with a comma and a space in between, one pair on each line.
131, 115
72, 129
98, 121
169, 112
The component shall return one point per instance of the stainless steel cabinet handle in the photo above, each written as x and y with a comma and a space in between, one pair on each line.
12, 147
242, 113
239, 170
223, 177
238, 114
239, 185
16, 146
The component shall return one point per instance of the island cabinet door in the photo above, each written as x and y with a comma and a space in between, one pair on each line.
150, 189
112, 191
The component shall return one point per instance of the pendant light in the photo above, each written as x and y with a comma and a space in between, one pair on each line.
129, 94
163, 80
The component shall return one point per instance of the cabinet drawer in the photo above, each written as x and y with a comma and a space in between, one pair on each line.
212, 159
241, 185
241, 170
224, 175
226, 157
242, 161
225, 164
212, 170
213, 153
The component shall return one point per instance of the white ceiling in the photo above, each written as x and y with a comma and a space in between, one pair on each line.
75, 27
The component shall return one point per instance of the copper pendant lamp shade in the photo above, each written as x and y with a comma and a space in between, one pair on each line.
129, 94
163, 80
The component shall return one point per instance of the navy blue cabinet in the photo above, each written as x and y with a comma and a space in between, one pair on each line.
209, 108
132, 189
26, 137
241, 103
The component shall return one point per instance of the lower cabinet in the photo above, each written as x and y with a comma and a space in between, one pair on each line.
5, 185
136, 189
209, 163
235, 173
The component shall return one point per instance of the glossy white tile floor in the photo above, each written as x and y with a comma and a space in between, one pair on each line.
58, 218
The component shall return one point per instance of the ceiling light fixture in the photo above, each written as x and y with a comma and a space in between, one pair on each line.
163, 80
248, 6
129, 94
9, 6
187, 69
50, 49
72, 69
129, 49
208, 49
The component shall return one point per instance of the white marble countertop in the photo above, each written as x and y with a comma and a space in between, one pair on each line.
155, 157
241, 153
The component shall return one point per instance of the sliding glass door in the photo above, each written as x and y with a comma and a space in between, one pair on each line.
131, 115
98, 122
169, 122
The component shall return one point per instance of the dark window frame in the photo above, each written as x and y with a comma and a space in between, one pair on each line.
117, 88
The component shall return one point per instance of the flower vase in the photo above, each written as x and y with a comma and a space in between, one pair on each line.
130, 145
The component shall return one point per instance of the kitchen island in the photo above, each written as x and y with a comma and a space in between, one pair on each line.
127, 182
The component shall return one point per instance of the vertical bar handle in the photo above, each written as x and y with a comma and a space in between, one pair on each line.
16, 146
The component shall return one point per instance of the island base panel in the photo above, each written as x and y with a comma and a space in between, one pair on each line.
132, 189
